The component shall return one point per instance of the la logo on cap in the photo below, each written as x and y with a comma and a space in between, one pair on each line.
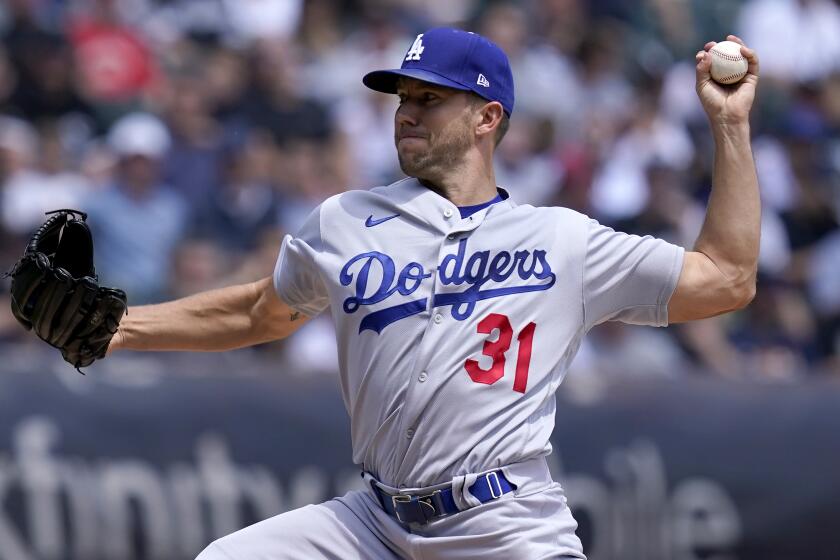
452, 58
416, 49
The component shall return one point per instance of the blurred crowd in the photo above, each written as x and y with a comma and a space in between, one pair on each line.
195, 133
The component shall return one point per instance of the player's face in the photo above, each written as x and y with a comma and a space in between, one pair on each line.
432, 128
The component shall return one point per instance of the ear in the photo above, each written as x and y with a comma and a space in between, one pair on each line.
489, 117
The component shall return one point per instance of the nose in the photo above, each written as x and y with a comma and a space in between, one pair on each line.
407, 114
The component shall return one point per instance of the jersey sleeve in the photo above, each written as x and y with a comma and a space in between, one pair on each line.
628, 278
297, 274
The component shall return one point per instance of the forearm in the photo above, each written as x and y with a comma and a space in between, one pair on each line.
731, 230
719, 275
223, 319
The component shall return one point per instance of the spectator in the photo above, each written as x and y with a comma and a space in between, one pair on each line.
615, 351
115, 65
267, 117
799, 40
137, 221
225, 78
198, 265
823, 284
42, 62
670, 213
39, 178
362, 119
247, 203
776, 334
524, 163
546, 81
263, 19
606, 94
191, 164
277, 102
307, 174
621, 189
342, 57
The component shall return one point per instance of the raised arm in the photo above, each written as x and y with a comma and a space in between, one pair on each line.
223, 319
720, 274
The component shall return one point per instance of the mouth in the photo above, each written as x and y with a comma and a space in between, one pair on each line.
410, 139
404, 135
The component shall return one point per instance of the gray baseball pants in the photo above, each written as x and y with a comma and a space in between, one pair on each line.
532, 522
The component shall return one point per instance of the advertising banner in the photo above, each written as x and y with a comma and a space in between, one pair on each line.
108, 468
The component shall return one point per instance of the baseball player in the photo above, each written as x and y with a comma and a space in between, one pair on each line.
457, 313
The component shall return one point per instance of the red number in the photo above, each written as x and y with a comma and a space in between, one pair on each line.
523, 361
497, 348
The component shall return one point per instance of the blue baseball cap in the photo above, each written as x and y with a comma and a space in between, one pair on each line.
453, 58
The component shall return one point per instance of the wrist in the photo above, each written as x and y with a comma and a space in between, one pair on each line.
730, 128
116, 341
733, 131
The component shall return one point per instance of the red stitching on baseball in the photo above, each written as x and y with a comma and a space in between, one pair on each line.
728, 56
729, 77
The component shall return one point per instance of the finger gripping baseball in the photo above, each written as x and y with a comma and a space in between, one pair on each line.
55, 290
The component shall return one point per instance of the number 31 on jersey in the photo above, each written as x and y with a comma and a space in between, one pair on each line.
496, 350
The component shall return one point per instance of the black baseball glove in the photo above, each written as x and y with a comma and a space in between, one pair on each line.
55, 291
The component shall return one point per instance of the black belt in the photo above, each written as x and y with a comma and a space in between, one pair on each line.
422, 508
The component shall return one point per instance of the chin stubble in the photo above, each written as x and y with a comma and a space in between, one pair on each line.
444, 154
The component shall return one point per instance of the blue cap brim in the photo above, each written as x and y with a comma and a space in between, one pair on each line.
386, 80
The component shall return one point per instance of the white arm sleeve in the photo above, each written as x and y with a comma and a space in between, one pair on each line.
628, 278
297, 275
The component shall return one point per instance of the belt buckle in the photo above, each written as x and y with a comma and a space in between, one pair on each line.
398, 499
428, 500
423, 501
495, 476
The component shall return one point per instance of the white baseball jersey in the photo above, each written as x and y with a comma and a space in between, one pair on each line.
454, 334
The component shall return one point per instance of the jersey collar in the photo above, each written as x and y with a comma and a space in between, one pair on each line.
426, 205
467, 211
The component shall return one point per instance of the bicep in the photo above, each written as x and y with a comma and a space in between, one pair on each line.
273, 317
702, 291
628, 278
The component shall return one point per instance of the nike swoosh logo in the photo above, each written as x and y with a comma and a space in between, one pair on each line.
370, 222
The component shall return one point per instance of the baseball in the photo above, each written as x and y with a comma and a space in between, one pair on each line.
728, 64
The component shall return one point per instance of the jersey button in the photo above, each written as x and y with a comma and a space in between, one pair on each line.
447, 213
422, 377
438, 318
409, 433
450, 237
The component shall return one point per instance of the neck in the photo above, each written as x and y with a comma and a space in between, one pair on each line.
465, 184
